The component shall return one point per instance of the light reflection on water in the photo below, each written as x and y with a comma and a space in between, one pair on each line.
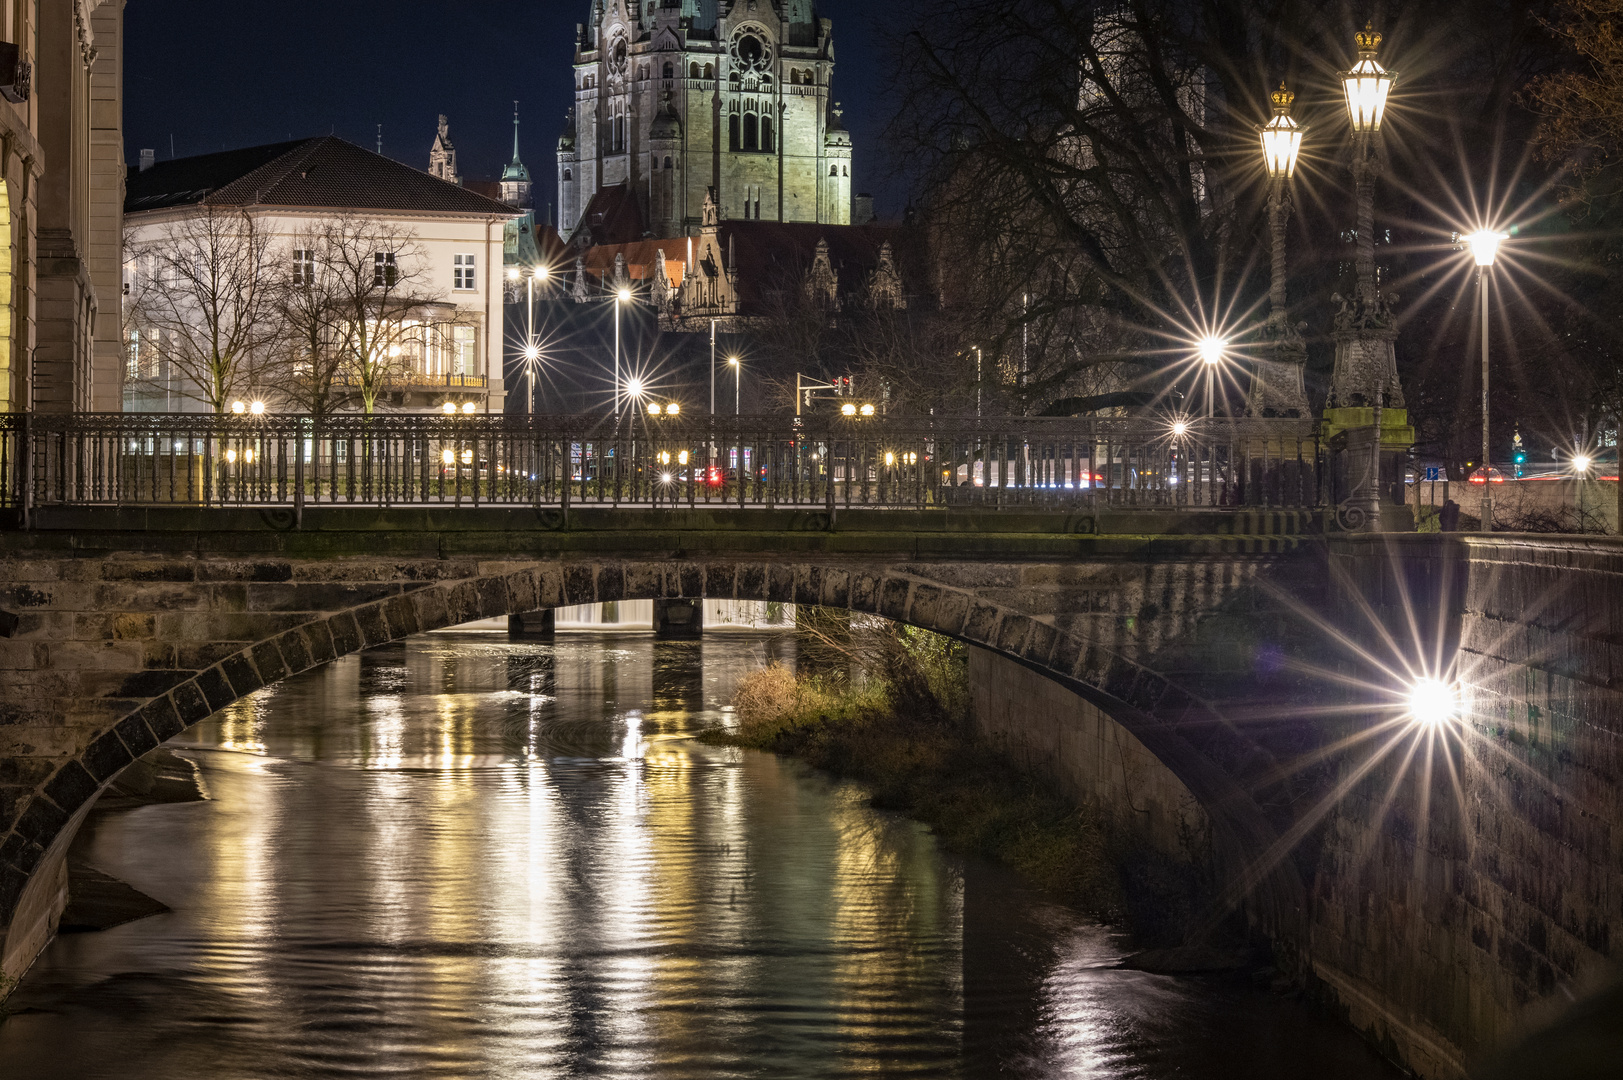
461, 857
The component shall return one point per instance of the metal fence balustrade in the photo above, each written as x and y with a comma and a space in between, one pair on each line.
144, 459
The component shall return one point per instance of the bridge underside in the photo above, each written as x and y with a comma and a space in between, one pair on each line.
122, 628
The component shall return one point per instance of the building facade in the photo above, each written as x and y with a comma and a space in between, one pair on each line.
441, 279
61, 191
675, 99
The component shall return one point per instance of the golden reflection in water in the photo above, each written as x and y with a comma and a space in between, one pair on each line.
884, 899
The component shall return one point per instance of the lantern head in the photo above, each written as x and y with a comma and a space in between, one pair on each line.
1367, 84
1281, 137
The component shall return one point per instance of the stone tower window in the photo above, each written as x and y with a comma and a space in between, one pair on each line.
752, 133
667, 161
766, 134
568, 176
670, 70
732, 132
710, 71
693, 70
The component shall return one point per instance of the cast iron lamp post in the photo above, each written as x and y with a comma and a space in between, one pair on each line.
1276, 379
1485, 249
1281, 145
1364, 358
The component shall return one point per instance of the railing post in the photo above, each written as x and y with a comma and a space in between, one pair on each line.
298, 471
25, 470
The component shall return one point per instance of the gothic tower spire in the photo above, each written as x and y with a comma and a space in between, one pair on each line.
515, 178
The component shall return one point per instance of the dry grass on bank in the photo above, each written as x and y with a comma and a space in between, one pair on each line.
925, 763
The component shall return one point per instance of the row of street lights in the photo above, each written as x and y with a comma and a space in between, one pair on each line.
1367, 87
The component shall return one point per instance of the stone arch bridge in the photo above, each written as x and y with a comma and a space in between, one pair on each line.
122, 628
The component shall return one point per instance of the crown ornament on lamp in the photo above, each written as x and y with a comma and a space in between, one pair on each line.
1281, 136
1367, 84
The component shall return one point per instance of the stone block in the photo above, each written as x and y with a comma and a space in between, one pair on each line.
268, 662
105, 756
189, 704
239, 671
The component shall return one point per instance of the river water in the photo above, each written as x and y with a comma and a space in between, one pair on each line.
464, 857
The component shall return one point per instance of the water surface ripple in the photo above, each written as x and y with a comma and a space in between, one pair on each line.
462, 857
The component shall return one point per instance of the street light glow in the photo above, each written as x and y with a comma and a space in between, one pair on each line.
1485, 245
468, 407
239, 407
1211, 349
1581, 463
672, 409
624, 295
531, 353
512, 275
542, 273
1368, 83
1281, 137
1433, 702
257, 408
1180, 427
634, 387
449, 408
867, 410
653, 407
733, 360
848, 409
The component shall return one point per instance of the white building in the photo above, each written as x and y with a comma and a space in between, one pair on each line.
452, 255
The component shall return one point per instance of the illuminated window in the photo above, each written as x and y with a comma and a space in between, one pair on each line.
462, 341
304, 266
462, 272
385, 271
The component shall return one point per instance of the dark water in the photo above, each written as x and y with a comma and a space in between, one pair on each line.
461, 857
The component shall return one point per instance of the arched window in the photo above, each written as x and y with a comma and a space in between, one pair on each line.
766, 134
834, 170
670, 70
846, 171
752, 133
667, 161
656, 163
710, 71
732, 132
568, 176
693, 70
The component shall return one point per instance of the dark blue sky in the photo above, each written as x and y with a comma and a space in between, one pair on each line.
215, 76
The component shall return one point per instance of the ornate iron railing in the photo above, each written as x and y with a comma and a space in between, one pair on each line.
142, 459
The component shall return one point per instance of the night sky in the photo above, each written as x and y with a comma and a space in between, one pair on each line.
216, 76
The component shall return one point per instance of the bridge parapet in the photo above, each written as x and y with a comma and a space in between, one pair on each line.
835, 463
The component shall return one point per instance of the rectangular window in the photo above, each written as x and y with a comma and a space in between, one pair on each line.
304, 266
462, 272
462, 361
384, 270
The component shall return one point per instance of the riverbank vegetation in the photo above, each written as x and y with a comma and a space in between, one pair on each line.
889, 705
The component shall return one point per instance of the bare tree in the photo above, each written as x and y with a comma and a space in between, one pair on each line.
200, 300
377, 277
355, 315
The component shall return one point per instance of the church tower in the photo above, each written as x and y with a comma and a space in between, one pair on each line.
515, 177
734, 94
442, 155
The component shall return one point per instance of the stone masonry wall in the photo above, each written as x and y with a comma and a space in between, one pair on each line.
1472, 890
1056, 734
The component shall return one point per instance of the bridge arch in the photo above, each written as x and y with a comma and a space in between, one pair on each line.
951, 600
